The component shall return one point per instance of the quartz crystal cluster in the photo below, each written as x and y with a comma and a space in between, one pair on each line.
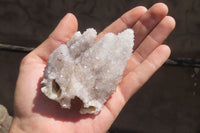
86, 69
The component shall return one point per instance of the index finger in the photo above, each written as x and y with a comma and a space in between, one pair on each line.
127, 20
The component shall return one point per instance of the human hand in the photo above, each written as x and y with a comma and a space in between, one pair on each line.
36, 113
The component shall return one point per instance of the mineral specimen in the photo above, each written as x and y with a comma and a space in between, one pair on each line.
87, 69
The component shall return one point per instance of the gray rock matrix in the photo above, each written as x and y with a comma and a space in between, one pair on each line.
87, 69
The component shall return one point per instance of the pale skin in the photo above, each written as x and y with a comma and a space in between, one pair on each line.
36, 113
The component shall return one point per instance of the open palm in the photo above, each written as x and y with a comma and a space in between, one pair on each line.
34, 112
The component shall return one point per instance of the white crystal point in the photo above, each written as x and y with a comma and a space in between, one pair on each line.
87, 70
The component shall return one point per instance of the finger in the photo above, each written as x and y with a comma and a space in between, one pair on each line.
63, 32
127, 20
136, 78
148, 21
153, 40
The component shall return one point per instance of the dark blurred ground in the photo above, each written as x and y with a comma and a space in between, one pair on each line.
169, 102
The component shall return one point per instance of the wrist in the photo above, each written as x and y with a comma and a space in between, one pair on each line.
17, 126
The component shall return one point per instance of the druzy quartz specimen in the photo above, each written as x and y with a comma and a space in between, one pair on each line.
87, 69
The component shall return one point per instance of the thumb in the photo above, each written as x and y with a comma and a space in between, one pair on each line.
63, 32
65, 29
